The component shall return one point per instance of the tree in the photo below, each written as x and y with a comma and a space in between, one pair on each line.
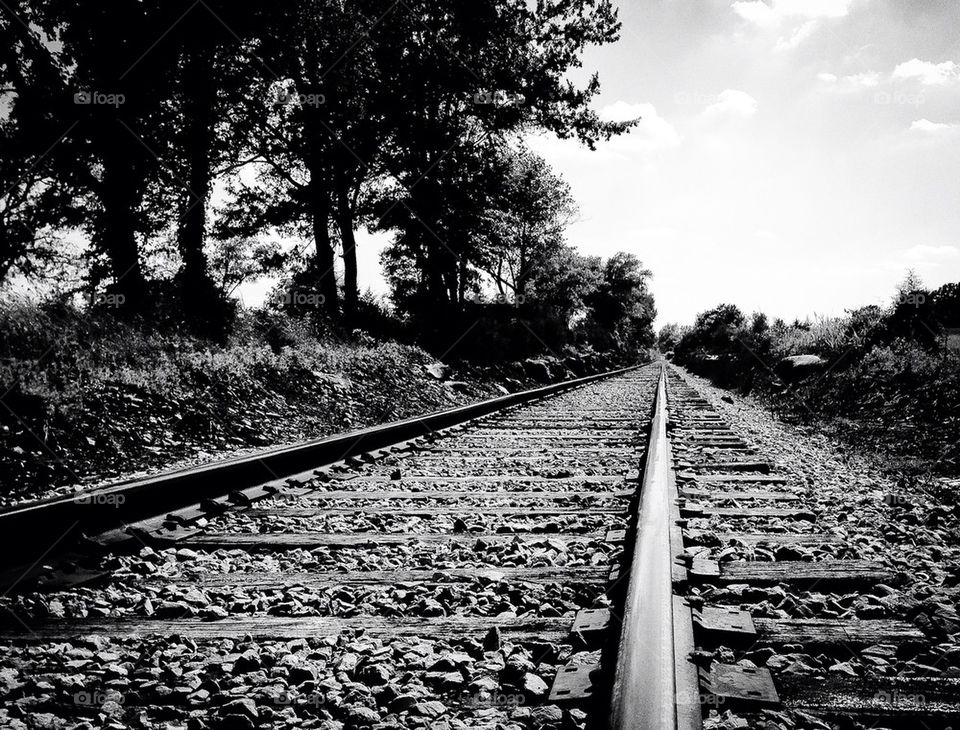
526, 226
946, 305
621, 307
465, 198
561, 282
759, 324
314, 131
669, 336
237, 260
101, 103
715, 331
216, 65
34, 210
910, 285
507, 74
913, 315
126, 116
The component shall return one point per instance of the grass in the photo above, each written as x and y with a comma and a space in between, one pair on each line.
900, 400
87, 397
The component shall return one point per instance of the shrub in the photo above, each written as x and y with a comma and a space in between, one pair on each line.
889, 377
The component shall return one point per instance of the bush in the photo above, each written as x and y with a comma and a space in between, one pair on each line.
889, 378
85, 393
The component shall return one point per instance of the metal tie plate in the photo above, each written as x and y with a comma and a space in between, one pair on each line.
573, 683
731, 686
725, 622
591, 620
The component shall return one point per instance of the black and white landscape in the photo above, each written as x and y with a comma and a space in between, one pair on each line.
517, 365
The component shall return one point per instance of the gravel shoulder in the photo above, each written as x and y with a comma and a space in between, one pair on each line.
910, 527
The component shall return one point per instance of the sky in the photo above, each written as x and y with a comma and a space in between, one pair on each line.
794, 157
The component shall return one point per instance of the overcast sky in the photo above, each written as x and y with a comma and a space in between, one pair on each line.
795, 156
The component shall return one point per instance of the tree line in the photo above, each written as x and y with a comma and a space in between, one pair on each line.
735, 349
194, 133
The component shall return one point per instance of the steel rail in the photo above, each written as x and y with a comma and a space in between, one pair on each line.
29, 531
653, 687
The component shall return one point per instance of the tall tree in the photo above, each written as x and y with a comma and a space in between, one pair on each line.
218, 45
197, 88
460, 74
526, 228
307, 127
89, 94
622, 308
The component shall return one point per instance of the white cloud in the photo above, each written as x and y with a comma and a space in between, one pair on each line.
732, 103
651, 133
854, 82
925, 252
927, 73
867, 79
932, 260
795, 20
797, 37
925, 126
622, 111
756, 12
761, 13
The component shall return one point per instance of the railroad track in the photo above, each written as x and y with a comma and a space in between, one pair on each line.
577, 557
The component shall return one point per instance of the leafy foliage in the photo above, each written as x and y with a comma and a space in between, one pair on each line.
889, 377
120, 124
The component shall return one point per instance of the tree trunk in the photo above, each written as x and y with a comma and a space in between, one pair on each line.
118, 236
462, 282
520, 284
197, 289
320, 219
451, 278
424, 197
436, 286
351, 294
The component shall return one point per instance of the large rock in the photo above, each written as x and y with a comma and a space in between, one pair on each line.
533, 686
796, 367
457, 386
514, 370
360, 716
438, 370
243, 706
576, 365
539, 370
